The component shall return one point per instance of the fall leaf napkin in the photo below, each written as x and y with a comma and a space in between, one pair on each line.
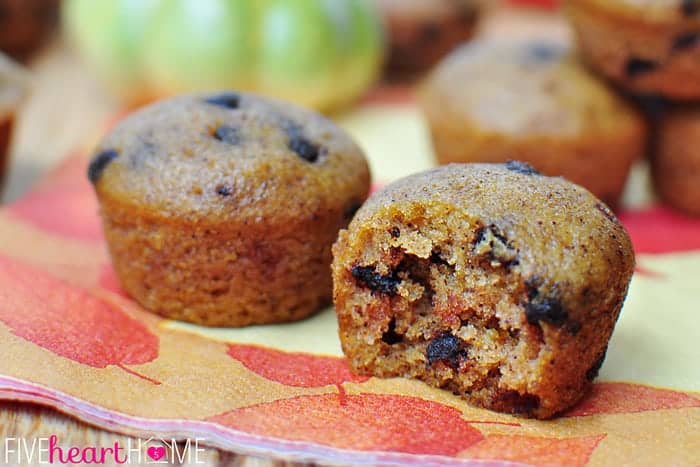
72, 339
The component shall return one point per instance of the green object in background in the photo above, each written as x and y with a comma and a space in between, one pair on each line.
318, 53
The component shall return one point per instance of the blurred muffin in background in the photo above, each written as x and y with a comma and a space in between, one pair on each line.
421, 32
676, 159
645, 46
25, 25
494, 101
13, 87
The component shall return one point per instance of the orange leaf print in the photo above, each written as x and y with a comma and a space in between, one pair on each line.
611, 398
366, 422
70, 322
542, 452
292, 368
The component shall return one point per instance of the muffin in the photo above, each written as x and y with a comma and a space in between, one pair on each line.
647, 46
421, 32
491, 101
676, 161
25, 25
12, 90
221, 209
489, 280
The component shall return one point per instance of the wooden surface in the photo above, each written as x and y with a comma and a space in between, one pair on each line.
67, 109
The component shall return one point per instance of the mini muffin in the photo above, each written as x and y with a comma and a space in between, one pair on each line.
492, 101
222, 209
676, 162
489, 280
13, 88
647, 46
421, 32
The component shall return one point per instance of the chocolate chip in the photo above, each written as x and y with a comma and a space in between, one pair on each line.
304, 148
492, 243
223, 190
445, 347
228, 100
100, 162
593, 371
227, 134
374, 281
545, 309
518, 403
639, 66
391, 337
521, 167
606, 212
395, 232
690, 7
685, 41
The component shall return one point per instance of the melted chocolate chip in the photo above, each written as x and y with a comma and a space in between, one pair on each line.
593, 371
227, 134
690, 7
445, 347
685, 41
545, 309
374, 281
223, 190
304, 148
99, 163
490, 241
228, 100
639, 66
521, 167
395, 232
391, 337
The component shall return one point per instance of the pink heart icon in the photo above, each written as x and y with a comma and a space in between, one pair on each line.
156, 453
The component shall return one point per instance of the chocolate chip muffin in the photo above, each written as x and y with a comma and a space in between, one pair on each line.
647, 46
676, 161
492, 100
221, 209
490, 280
421, 32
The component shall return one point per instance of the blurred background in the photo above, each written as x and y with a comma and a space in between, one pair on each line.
70, 67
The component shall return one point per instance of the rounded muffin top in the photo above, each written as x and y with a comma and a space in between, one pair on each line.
560, 231
687, 11
525, 90
229, 155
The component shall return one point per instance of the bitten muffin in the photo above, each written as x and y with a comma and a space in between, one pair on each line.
221, 209
489, 280
492, 101
421, 32
647, 46
676, 161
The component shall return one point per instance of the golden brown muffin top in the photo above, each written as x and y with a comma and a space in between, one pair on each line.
229, 156
563, 235
687, 11
524, 90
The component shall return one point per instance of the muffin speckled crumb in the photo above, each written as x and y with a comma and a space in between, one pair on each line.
676, 162
222, 209
489, 280
492, 101
646, 46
